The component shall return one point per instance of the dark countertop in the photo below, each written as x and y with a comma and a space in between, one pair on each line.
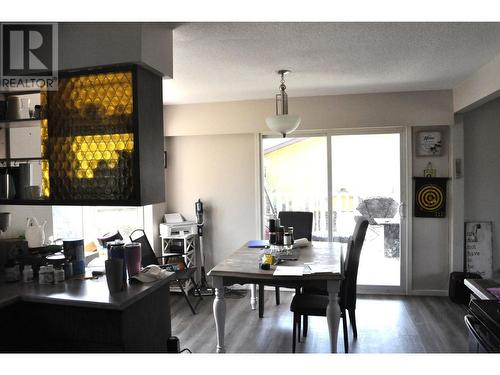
478, 287
83, 293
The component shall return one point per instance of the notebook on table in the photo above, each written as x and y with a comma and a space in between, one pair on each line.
258, 244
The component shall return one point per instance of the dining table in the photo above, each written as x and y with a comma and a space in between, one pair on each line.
242, 267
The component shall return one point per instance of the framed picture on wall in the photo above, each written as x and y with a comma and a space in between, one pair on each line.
428, 143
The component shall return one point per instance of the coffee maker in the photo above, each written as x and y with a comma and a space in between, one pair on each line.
10, 248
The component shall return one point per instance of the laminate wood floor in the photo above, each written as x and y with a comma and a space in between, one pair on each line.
386, 324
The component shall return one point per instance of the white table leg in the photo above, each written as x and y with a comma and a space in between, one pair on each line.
333, 313
253, 296
219, 313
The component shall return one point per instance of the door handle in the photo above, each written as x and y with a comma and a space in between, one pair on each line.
402, 210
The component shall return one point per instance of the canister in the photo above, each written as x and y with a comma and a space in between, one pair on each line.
74, 251
116, 250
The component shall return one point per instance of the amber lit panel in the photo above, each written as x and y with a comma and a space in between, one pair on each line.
90, 139
44, 134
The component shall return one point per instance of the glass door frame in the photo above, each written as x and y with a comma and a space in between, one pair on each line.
405, 159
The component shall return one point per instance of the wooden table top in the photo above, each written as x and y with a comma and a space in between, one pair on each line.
244, 263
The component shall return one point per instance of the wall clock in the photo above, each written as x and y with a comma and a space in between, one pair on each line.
428, 143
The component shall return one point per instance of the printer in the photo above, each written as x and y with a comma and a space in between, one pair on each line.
175, 225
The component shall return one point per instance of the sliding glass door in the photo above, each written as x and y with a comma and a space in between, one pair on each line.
295, 179
366, 181
339, 177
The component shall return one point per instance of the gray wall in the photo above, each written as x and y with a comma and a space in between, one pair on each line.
482, 169
92, 44
220, 170
430, 236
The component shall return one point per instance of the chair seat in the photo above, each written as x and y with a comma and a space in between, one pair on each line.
185, 274
309, 304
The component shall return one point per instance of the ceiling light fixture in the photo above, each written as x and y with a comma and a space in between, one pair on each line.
283, 123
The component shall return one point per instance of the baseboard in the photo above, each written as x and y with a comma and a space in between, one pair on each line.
417, 292
430, 292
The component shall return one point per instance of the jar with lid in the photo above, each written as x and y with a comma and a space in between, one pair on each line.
50, 273
42, 275
28, 274
290, 230
46, 275
12, 271
287, 239
58, 275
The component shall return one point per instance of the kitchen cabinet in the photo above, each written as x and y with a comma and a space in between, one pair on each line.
102, 138
81, 316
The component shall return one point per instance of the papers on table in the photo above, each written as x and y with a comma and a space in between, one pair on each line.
308, 269
288, 271
301, 242
319, 268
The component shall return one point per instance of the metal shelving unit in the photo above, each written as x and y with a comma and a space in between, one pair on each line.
188, 254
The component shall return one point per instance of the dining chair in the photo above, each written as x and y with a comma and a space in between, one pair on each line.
302, 222
313, 301
148, 257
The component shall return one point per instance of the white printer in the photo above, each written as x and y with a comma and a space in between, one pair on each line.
175, 225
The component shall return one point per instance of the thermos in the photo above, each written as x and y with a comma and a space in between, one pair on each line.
280, 234
292, 238
116, 250
274, 224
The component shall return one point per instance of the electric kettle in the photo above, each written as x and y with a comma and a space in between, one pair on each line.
35, 233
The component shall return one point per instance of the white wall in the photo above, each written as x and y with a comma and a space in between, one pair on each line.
192, 153
480, 87
422, 108
482, 169
220, 170
20, 215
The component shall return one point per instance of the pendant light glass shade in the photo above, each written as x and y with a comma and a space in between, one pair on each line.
283, 124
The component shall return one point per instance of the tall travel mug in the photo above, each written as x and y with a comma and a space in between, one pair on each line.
114, 274
133, 258
116, 250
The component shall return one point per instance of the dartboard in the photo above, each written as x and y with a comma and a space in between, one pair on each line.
430, 197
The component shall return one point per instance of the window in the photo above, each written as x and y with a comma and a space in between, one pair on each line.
91, 222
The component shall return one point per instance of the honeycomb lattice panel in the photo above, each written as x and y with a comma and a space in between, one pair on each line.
90, 140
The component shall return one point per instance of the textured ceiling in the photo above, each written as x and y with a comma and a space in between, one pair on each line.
237, 61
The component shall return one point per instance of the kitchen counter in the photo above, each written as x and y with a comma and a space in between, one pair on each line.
84, 293
478, 287
82, 316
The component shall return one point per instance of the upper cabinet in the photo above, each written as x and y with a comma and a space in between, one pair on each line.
101, 137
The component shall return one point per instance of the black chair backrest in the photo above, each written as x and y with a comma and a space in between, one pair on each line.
348, 287
301, 222
148, 255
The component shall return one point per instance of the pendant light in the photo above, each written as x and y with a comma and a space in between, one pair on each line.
282, 123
